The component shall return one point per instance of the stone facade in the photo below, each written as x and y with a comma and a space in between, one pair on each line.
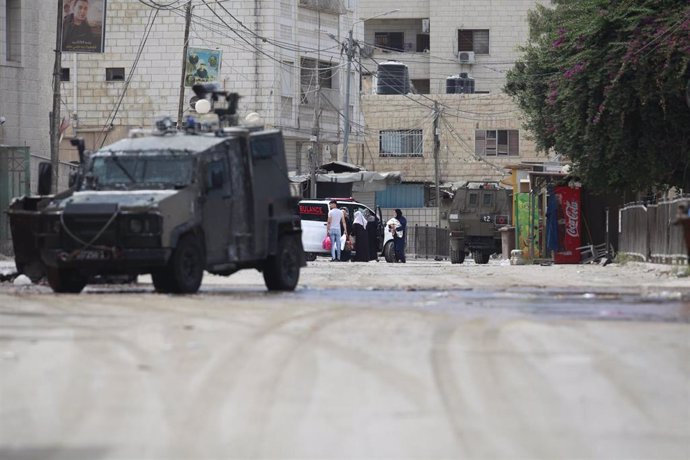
268, 80
461, 116
26, 63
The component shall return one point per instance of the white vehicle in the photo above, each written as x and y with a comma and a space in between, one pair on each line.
314, 216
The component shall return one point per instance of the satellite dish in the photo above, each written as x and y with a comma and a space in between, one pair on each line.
202, 106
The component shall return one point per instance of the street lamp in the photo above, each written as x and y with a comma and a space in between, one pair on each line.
350, 47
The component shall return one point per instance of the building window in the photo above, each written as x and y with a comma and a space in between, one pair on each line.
502, 142
310, 73
423, 43
13, 31
390, 41
312, 77
401, 142
422, 86
474, 40
115, 74
64, 74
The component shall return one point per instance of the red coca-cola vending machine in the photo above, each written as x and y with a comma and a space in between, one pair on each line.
569, 217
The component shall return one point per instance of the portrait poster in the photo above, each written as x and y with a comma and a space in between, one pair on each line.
83, 26
202, 65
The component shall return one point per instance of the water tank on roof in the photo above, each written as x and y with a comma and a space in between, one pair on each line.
460, 84
392, 78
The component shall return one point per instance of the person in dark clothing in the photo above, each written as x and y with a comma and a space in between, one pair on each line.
372, 234
77, 34
361, 238
399, 237
347, 251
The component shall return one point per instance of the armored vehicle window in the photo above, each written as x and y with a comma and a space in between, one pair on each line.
216, 174
264, 146
153, 169
488, 199
474, 199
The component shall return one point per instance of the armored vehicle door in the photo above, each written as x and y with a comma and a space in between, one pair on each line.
242, 239
216, 206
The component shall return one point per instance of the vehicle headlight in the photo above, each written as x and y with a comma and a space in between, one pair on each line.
454, 217
136, 225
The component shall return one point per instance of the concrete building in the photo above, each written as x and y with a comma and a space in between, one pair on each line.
479, 127
26, 66
282, 57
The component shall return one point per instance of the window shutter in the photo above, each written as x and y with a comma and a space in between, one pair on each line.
481, 42
514, 142
465, 40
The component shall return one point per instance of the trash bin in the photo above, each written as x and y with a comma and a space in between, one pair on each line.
24, 226
507, 241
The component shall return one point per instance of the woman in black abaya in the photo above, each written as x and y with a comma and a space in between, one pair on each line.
361, 238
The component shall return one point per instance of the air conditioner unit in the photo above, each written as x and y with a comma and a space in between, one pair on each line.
466, 57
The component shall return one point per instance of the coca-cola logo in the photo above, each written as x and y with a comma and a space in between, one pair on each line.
572, 212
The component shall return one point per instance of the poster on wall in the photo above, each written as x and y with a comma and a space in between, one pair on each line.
83, 26
202, 65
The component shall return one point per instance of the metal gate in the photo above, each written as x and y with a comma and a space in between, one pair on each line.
15, 180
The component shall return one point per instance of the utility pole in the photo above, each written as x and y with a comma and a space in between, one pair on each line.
55, 114
350, 50
187, 22
437, 147
316, 130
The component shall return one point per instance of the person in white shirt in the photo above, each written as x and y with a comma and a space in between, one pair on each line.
335, 218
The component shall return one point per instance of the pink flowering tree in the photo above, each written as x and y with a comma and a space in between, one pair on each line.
605, 83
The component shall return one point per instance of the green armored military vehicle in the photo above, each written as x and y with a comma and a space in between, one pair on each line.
478, 210
173, 204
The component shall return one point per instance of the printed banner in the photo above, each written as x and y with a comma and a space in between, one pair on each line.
83, 26
202, 65
569, 218
522, 225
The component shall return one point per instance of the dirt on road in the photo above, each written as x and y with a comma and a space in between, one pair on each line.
367, 361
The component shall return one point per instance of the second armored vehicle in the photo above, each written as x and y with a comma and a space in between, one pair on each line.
478, 210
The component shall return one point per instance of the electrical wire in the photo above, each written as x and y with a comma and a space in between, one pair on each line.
142, 44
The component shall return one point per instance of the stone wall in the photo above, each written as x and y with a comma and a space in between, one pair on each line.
461, 116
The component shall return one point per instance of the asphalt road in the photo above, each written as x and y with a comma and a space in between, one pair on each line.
423, 361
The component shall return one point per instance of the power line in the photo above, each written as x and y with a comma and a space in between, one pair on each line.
113, 113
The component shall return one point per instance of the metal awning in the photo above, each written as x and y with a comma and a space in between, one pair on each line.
362, 181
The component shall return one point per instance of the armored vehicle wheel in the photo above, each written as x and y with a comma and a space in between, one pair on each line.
481, 257
67, 281
389, 252
457, 257
281, 272
185, 268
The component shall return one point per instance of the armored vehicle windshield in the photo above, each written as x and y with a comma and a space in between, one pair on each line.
155, 169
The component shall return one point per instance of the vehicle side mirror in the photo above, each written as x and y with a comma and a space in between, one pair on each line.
45, 177
73, 179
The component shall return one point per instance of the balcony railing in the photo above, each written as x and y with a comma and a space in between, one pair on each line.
326, 6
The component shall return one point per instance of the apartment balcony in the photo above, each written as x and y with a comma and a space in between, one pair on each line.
325, 6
